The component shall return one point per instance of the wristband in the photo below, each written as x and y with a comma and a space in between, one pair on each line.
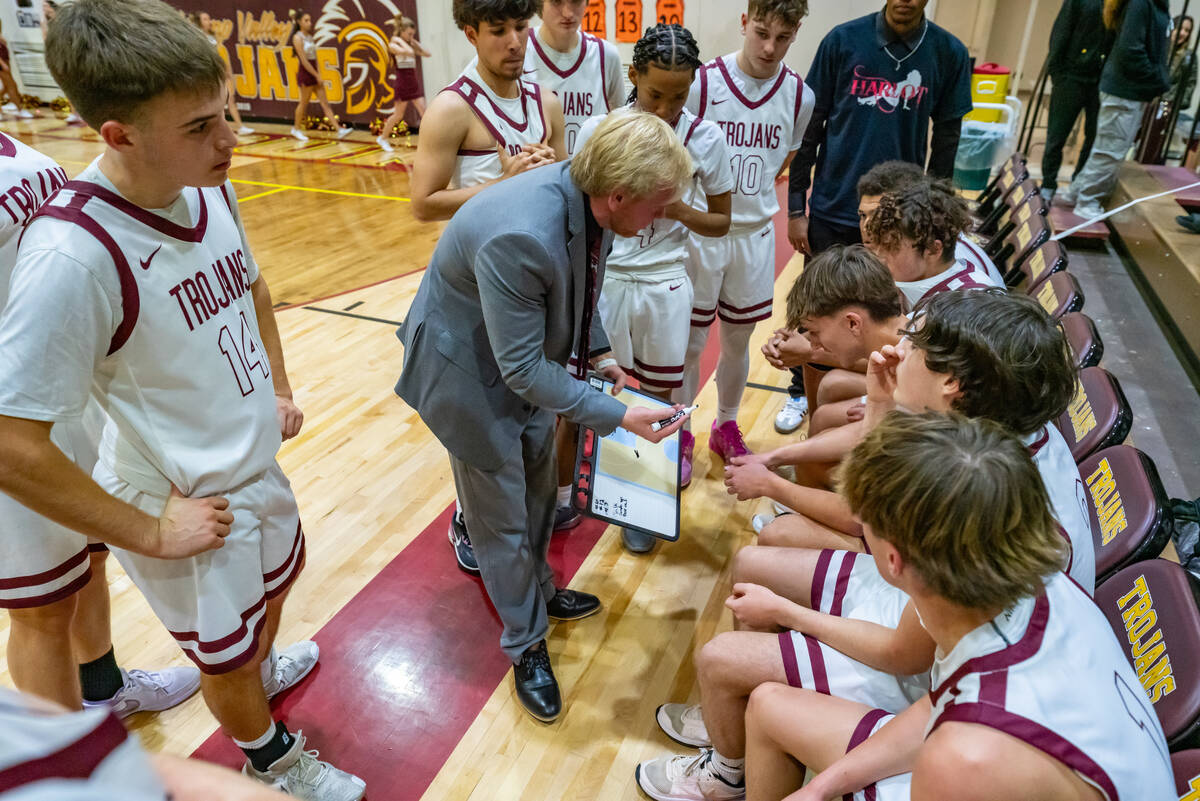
604, 364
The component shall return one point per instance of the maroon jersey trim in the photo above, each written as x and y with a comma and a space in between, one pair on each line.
687, 138
703, 89
130, 299
799, 95
477, 152
76, 760
475, 91
149, 218
745, 101
603, 70
1035, 734
541, 54
1026, 647
1042, 438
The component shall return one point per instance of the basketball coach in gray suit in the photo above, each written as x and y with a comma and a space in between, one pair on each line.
509, 295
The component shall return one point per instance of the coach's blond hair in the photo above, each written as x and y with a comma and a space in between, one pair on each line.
632, 152
112, 56
963, 503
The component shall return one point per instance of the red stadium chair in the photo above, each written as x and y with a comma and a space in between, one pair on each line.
1012, 173
1099, 415
1021, 243
1186, 766
1001, 215
1049, 258
1060, 295
1131, 518
1084, 339
1151, 607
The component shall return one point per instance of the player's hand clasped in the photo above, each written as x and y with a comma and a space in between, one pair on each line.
531, 156
748, 477
787, 348
189, 526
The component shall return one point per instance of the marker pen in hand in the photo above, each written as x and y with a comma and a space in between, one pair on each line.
661, 424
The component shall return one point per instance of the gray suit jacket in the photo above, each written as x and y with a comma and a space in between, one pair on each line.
496, 317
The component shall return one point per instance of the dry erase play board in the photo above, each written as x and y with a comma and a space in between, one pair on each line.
627, 480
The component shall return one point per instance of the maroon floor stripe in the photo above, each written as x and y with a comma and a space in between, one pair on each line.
409, 662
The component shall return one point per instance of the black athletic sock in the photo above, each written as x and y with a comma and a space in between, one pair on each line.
101, 678
281, 743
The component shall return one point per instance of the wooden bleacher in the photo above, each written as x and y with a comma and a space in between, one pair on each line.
1164, 259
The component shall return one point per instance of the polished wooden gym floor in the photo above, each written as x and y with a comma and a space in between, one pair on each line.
412, 692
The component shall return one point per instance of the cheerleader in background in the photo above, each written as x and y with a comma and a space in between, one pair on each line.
408, 89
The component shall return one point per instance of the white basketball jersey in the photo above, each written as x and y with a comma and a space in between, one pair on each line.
1068, 501
960, 275
1050, 672
763, 121
512, 122
578, 78
968, 251
27, 179
46, 754
186, 381
664, 242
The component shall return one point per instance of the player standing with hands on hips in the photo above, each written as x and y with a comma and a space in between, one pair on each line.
509, 294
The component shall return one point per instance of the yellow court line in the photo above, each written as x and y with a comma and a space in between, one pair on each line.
260, 194
321, 191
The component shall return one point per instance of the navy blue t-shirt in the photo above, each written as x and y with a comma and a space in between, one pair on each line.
879, 93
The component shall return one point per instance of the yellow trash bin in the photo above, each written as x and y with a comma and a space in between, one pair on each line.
989, 84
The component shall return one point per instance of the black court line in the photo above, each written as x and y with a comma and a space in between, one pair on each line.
767, 388
396, 323
353, 305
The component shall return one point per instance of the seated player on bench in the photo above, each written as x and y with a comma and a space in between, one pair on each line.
847, 632
1013, 712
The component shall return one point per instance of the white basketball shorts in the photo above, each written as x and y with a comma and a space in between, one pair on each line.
42, 562
847, 584
214, 604
733, 276
646, 317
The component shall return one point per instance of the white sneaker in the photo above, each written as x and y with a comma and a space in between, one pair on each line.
25, 114
245, 130
298, 135
292, 664
384, 144
301, 775
1088, 211
759, 522
687, 778
342, 133
791, 415
73, 118
151, 690
10, 107
684, 724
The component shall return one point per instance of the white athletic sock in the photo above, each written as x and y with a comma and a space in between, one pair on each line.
732, 770
733, 368
686, 394
267, 671
564, 496
262, 741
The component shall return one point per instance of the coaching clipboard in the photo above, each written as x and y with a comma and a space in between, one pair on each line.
626, 480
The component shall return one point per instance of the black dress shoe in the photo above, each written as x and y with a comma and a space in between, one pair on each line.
572, 605
537, 688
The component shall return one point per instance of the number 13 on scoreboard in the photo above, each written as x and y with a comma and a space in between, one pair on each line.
595, 18
629, 20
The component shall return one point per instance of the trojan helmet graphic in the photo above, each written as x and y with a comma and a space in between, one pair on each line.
366, 60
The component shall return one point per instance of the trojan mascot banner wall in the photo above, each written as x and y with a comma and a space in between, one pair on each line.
353, 60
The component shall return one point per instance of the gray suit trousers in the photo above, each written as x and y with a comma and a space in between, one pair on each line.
510, 515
